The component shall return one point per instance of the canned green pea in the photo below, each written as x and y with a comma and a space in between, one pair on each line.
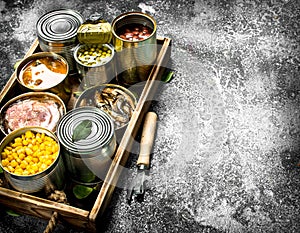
95, 64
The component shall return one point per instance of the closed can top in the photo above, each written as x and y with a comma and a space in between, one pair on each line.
94, 131
59, 26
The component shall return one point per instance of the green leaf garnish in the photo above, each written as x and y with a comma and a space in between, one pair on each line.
82, 130
12, 213
81, 191
1, 170
167, 77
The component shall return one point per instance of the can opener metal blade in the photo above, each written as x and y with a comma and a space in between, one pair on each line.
137, 187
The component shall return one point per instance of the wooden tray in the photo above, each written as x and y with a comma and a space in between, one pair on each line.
80, 218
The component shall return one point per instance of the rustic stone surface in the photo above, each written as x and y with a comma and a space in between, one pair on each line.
226, 152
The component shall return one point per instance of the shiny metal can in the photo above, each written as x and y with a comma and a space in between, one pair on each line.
135, 57
57, 32
41, 66
87, 155
53, 178
95, 68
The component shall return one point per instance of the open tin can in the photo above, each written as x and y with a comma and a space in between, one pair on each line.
134, 39
57, 32
45, 71
48, 180
88, 143
95, 64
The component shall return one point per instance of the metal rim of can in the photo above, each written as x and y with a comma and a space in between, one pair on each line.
59, 26
128, 14
36, 129
29, 95
107, 61
37, 55
99, 137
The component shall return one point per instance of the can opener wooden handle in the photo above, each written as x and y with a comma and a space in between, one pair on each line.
143, 162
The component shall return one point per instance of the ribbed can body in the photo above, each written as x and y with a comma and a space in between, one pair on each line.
135, 58
87, 160
57, 32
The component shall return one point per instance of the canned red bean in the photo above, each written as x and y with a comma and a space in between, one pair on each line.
134, 32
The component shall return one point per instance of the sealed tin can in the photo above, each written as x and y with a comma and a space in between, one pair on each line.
95, 64
57, 32
88, 143
95, 30
48, 180
134, 39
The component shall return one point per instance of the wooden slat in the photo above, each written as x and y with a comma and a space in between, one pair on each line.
42, 208
127, 140
8, 86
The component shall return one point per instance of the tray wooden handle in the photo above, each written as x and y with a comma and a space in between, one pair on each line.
147, 139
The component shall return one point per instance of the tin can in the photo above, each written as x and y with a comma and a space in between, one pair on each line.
93, 97
53, 178
135, 57
45, 79
87, 155
95, 68
32, 109
57, 32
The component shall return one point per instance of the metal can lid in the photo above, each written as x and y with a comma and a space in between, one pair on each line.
59, 25
101, 130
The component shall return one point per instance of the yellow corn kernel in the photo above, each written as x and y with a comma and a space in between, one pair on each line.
25, 173
22, 156
8, 148
5, 162
13, 163
3, 155
10, 168
24, 164
25, 142
28, 151
35, 147
16, 144
18, 139
15, 155
35, 160
35, 168
49, 150
39, 140
21, 150
10, 158
28, 134
43, 166
48, 162
42, 146
55, 148
18, 160
18, 172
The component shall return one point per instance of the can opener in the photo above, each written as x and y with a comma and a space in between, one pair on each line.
137, 187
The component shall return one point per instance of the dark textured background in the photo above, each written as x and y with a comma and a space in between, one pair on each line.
226, 152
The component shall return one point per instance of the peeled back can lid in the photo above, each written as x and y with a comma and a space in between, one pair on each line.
59, 26
97, 124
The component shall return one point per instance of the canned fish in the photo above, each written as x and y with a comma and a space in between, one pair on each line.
57, 32
88, 143
134, 39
